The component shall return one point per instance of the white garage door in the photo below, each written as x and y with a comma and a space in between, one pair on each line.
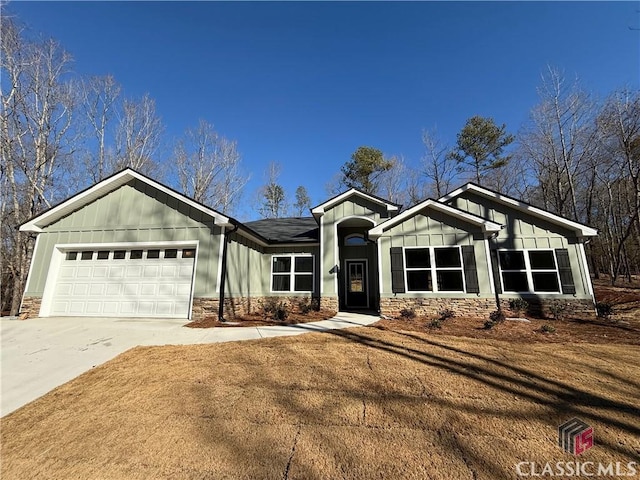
146, 282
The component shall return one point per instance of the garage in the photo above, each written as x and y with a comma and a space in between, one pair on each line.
152, 281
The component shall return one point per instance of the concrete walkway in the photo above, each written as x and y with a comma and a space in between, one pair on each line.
40, 354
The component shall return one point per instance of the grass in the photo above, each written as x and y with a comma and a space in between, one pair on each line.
359, 403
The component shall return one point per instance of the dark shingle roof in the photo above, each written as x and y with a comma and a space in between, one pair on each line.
286, 230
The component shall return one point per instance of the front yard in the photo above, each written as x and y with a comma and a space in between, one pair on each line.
359, 403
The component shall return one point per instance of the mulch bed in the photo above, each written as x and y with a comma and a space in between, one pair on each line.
257, 320
622, 328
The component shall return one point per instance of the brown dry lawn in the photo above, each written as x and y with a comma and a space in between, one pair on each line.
361, 403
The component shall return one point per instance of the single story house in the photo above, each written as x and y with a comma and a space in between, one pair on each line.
132, 247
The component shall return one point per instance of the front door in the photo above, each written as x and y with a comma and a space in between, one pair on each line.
357, 295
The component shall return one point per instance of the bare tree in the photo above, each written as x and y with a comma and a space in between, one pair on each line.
36, 145
274, 201
99, 99
437, 167
208, 168
138, 135
559, 140
392, 183
303, 202
619, 177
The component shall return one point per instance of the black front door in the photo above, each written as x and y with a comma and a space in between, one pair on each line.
356, 287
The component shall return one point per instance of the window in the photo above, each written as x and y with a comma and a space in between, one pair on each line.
355, 240
71, 255
153, 253
292, 273
136, 254
529, 271
171, 253
119, 254
103, 254
422, 265
86, 256
189, 253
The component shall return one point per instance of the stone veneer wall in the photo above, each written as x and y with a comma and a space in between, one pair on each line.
234, 306
431, 307
482, 307
30, 307
542, 308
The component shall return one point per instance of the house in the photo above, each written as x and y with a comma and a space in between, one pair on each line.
132, 247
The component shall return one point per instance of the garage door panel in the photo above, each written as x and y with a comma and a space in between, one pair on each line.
147, 289
134, 271
100, 272
139, 287
116, 272
83, 272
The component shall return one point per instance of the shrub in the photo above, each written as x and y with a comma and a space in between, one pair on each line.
546, 328
446, 314
435, 323
273, 309
497, 316
306, 305
407, 313
557, 311
604, 310
518, 304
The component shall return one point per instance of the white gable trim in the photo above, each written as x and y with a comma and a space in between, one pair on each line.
579, 228
486, 225
323, 207
104, 187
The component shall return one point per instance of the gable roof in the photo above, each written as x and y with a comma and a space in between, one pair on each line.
486, 225
320, 209
286, 230
581, 229
109, 184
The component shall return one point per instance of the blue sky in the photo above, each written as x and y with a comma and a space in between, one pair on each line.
305, 83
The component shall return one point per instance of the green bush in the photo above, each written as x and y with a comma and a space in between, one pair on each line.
306, 305
557, 311
446, 314
408, 313
604, 310
518, 304
435, 323
274, 309
489, 324
546, 328
497, 316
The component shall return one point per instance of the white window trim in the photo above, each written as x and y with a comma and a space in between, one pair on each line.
434, 270
292, 273
529, 271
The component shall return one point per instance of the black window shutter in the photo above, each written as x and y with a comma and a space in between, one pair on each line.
397, 270
470, 271
496, 271
564, 269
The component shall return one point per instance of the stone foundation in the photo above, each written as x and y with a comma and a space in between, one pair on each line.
431, 307
482, 307
237, 306
553, 307
30, 307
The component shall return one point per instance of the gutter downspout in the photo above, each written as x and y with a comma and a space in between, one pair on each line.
223, 276
493, 269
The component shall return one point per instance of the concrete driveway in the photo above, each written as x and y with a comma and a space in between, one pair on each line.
40, 354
